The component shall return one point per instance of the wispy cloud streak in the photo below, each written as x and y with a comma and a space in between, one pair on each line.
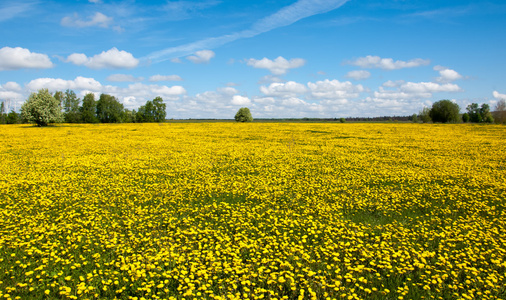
284, 17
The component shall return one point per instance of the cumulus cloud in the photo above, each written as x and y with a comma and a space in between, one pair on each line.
240, 100
158, 77
370, 62
278, 66
57, 84
408, 91
10, 94
447, 75
269, 79
498, 95
358, 74
19, 58
98, 19
113, 59
287, 89
123, 78
334, 89
202, 56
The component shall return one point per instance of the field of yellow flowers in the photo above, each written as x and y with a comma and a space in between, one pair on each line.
253, 211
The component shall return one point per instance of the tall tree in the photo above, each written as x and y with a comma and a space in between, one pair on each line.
243, 115
109, 109
3, 116
159, 109
445, 111
71, 107
42, 109
479, 114
89, 109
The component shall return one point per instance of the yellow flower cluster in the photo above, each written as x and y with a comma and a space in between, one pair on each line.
253, 211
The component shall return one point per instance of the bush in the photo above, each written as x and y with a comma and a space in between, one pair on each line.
342, 120
42, 109
243, 115
445, 111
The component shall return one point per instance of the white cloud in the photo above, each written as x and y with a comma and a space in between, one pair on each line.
57, 84
447, 75
269, 79
176, 60
429, 87
278, 66
165, 78
358, 74
240, 100
10, 94
18, 58
95, 1
123, 78
334, 89
11, 86
288, 89
499, 96
387, 63
113, 59
202, 56
98, 19
264, 100
391, 83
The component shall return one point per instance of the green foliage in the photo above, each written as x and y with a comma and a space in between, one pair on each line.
13, 118
479, 114
414, 118
3, 116
424, 115
243, 115
465, 117
89, 109
42, 109
109, 109
342, 120
445, 111
152, 111
70, 104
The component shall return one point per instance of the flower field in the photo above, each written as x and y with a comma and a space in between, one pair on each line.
253, 211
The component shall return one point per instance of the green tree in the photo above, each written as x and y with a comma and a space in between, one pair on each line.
342, 120
159, 109
485, 113
445, 111
424, 115
89, 109
42, 109
70, 106
243, 115
109, 109
152, 111
414, 118
479, 114
3, 116
465, 117
13, 118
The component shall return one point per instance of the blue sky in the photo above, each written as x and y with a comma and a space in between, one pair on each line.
280, 58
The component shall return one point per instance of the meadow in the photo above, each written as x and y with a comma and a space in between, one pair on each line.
253, 211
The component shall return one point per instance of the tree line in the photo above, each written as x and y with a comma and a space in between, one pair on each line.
43, 108
446, 111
